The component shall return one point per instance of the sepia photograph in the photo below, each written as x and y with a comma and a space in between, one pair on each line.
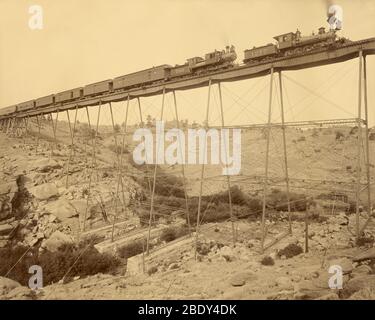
187, 150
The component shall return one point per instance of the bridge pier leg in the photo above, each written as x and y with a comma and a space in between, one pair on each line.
265, 183
182, 165
38, 136
367, 146
17, 127
285, 150
71, 152
151, 218
26, 122
143, 125
8, 126
226, 161
93, 162
119, 175
53, 132
359, 145
55, 128
118, 166
14, 129
202, 172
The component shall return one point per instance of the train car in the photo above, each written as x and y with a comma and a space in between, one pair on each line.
98, 88
257, 53
69, 95
294, 43
25, 106
214, 59
144, 77
45, 101
180, 71
8, 110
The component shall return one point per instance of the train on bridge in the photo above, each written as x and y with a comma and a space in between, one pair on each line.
288, 45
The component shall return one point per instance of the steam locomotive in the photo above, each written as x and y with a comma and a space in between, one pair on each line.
288, 44
292, 43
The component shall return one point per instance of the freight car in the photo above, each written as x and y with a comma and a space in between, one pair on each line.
45, 101
98, 88
69, 95
143, 77
8, 110
293, 43
25, 106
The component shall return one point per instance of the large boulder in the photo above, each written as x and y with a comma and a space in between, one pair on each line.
44, 191
5, 229
344, 263
6, 285
62, 209
361, 270
358, 283
363, 294
240, 279
20, 293
5, 207
56, 241
306, 290
9, 187
367, 255
7, 191
80, 208
44, 165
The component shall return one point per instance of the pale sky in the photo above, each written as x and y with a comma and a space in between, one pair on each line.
85, 41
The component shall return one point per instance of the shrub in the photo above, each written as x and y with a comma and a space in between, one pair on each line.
81, 260
353, 130
84, 260
166, 185
119, 149
279, 201
290, 251
117, 128
203, 248
315, 134
339, 135
152, 270
10, 261
267, 261
132, 249
237, 196
172, 233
